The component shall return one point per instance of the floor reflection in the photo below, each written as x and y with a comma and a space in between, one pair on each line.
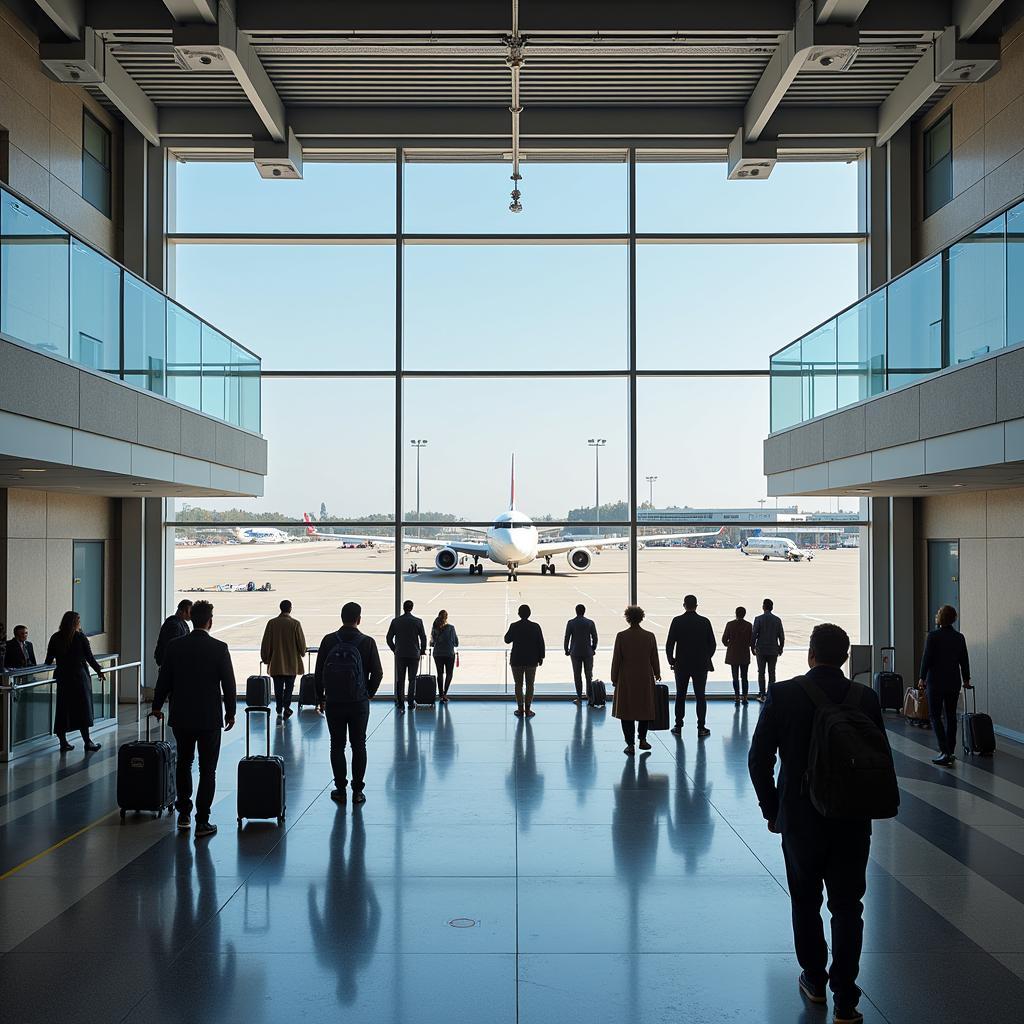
691, 807
444, 741
525, 783
580, 756
737, 745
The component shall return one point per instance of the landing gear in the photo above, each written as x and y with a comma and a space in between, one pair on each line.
547, 568
765, 557
476, 569
513, 575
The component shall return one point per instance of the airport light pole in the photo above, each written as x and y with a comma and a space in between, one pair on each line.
597, 443
650, 483
418, 443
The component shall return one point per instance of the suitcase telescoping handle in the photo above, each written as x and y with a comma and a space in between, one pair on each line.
256, 711
163, 726
973, 690
888, 655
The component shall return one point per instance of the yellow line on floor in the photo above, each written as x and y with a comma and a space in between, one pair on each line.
56, 846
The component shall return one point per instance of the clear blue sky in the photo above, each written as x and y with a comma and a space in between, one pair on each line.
514, 306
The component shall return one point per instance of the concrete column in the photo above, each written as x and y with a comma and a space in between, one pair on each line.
136, 155
873, 218
899, 209
877, 556
157, 218
132, 589
902, 584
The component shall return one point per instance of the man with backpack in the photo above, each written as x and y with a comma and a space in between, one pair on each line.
348, 673
837, 775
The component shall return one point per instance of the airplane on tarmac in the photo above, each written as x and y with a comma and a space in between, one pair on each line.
512, 541
773, 547
250, 534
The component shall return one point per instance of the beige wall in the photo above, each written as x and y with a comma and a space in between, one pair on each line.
43, 121
990, 528
37, 560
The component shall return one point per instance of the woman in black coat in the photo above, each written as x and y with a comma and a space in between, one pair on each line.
69, 648
944, 665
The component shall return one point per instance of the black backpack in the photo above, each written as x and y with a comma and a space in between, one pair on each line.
850, 773
344, 674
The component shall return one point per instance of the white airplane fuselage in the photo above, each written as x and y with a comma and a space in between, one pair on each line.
515, 544
773, 547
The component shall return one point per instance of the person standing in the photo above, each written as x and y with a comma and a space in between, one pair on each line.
348, 674
580, 644
944, 666
174, 628
445, 642
19, 652
818, 850
635, 670
282, 651
737, 639
70, 650
689, 650
408, 643
198, 679
526, 656
767, 642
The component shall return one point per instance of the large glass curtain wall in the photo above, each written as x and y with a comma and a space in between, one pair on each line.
612, 339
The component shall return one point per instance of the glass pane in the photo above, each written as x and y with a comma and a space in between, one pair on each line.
88, 584
1015, 275
33, 711
938, 185
698, 197
861, 350
145, 330
914, 320
330, 197
472, 433
33, 277
474, 198
219, 384
95, 309
96, 140
184, 356
938, 141
818, 363
96, 184
731, 306
336, 308
786, 388
503, 307
977, 293
247, 367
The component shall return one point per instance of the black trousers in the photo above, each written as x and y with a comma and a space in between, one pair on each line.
445, 665
284, 687
833, 854
740, 672
765, 661
405, 667
348, 718
942, 712
628, 728
208, 745
582, 668
700, 683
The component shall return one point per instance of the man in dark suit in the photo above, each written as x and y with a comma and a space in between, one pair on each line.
197, 677
690, 646
19, 652
408, 642
944, 666
174, 627
526, 656
767, 642
580, 645
818, 851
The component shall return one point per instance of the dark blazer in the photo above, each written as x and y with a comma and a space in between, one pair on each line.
527, 640
197, 677
13, 657
173, 628
769, 638
580, 636
691, 643
406, 636
944, 663
367, 650
737, 640
785, 726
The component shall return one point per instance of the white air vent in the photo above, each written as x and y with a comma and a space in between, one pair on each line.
279, 159
750, 160
830, 58
957, 63
200, 58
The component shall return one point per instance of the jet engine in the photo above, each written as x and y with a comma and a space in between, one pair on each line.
446, 559
580, 559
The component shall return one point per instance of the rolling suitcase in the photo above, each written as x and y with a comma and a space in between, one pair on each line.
598, 693
425, 689
661, 708
307, 691
889, 687
260, 779
145, 774
257, 691
978, 735
915, 707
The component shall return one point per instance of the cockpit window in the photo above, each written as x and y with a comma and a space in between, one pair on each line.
510, 526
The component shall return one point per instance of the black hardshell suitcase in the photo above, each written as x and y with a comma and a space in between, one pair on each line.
890, 690
260, 779
425, 689
598, 693
979, 736
307, 691
146, 774
661, 708
257, 691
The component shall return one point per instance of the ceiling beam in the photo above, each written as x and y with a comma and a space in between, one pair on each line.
839, 12
185, 12
970, 15
135, 106
908, 97
67, 15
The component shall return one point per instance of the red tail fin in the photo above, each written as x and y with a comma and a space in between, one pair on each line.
512, 496
310, 529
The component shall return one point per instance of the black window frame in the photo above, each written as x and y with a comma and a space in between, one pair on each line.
937, 172
91, 160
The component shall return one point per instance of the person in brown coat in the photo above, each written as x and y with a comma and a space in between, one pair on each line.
737, 651
283, 648
635, 670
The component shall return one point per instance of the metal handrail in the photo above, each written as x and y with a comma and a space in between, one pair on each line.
34, 670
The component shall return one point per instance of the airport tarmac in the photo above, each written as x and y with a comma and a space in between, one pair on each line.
319, 577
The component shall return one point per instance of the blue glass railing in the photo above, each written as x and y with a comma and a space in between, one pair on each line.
60, 296
958, 305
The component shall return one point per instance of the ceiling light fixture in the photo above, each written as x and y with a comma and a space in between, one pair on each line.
31, 469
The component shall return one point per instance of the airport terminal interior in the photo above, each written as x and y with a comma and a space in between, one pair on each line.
477, 305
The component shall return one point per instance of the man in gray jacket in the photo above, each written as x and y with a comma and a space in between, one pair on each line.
767, 642
408, 642
580, 645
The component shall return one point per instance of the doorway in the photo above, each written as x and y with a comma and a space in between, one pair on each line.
943, 576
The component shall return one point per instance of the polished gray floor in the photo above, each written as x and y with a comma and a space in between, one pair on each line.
499, 872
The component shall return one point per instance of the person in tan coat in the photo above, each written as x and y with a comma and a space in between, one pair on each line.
282, 650
737, 640
635, 670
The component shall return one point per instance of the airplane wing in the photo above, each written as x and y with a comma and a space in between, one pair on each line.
557, 547
463, 547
